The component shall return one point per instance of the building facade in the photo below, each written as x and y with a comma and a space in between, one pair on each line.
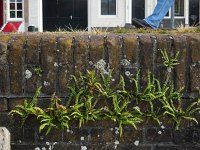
52, 15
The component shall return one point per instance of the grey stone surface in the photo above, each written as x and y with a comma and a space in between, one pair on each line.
4, 139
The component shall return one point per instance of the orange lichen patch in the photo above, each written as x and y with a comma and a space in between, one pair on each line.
130, 47
5, 38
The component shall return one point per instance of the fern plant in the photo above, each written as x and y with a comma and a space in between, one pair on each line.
55, 116
84, 97
150, 95
28, 108
169, 62
120, 114
173, 107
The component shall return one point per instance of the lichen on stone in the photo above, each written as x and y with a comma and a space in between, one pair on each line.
28, 74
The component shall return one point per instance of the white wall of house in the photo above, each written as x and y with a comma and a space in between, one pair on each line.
35, 14
97, 20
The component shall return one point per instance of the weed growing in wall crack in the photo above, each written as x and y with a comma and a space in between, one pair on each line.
55, 116
96, 96
169, 62
28, 108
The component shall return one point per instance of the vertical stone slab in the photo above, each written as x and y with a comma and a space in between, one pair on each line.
3, 104
32, 61
195, 78
194, 61
4, 63
80, 55
15, 57
194, 42
4, 139
65, 59
48, 64
96, 52
180, 45
164, 42
129, 62
130, 48
114, 53
145, 57
3, 77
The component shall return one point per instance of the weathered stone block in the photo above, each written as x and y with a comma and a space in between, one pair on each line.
54, 136
32, 52
163, 42
49, 64
4, 79
194, 43
3, 104
130, 48
131, 136
156, 135
32, 79
3, 53
76, 136
180, 45
5, 120
114, 55
146, 58
195, 78
4, 139
102, 136
81, 54
15, 58
96, 53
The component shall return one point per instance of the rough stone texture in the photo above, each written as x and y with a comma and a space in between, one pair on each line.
3, 104
4, 139
60, 56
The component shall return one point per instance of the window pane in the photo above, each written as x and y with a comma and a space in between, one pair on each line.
12, 14
19, 0
19, 14
12, 0
19, 6
108, 7
12, 6
179, 7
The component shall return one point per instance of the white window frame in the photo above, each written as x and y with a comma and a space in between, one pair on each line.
177, 17
8, 12
108, 16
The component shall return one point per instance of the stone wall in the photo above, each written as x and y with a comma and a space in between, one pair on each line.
60, 55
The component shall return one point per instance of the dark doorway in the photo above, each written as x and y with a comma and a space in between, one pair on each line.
64, 14
194, 12
1, 13
138, 9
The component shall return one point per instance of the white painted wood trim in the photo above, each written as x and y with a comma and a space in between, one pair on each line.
129, 11
186, 12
